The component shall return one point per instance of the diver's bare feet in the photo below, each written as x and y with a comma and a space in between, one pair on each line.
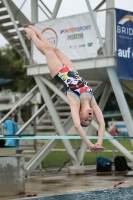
40, 36
29, 33
34, 29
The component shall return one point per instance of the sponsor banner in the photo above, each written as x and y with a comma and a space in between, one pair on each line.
74, 36
124, 41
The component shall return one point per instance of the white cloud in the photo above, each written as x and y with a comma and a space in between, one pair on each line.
68, 7
124, 5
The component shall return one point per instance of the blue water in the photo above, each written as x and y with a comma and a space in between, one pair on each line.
123, 193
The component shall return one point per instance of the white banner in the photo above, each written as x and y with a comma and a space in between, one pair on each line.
75, 36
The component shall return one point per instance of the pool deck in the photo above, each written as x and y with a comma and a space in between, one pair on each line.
44, 183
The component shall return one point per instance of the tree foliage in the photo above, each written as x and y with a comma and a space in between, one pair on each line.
11, 67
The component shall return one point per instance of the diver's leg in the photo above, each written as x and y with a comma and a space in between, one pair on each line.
62, 57
53, 62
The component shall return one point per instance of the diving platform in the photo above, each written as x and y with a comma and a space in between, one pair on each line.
90, 68
57, 137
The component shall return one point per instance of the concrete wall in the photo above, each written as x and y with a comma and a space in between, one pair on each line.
12, 176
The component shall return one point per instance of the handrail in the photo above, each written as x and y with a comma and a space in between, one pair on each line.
33, 117
30, 120
24, 104
54, 105
11, 111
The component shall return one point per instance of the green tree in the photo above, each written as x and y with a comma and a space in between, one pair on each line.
11, 67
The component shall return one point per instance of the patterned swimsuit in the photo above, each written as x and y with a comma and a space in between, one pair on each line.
73, 82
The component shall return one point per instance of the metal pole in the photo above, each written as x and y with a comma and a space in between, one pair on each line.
109, 34
17, 30
34, 11
116, 143
127, 90
55, 89
99, 5
56, 119
121, 100
19, 103
46, 7
105, 96
56, 9
96, 26
112, 72
34, 19
30, 120
34, 130
44, 11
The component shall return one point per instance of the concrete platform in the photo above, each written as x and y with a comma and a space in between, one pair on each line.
12, 176
7, 151
50, 183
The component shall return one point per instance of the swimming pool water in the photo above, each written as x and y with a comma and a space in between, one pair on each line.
122, 193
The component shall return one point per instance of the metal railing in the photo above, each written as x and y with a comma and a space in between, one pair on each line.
20, 103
